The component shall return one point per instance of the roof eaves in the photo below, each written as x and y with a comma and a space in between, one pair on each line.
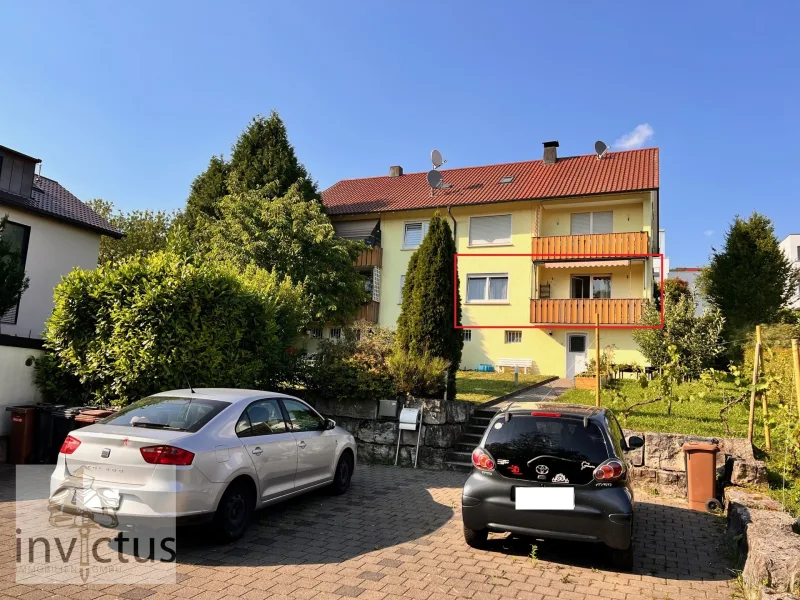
9, 199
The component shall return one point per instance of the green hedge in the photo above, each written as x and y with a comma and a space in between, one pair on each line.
154, 323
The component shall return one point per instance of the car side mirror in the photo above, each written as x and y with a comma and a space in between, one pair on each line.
634, 442
330, 424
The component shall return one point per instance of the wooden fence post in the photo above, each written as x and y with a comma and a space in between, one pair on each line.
756, 358
597, 359
796, 358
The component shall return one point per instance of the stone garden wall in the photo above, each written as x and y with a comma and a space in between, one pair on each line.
660, 464
443, 422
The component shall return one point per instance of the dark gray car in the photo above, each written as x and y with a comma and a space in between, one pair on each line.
555, 471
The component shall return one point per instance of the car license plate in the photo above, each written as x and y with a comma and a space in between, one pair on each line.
541, 498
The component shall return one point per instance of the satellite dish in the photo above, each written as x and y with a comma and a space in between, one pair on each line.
600, 148
434, 178
436, 159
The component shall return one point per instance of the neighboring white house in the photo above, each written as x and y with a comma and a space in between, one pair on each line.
54, 232
690, 275
791, 248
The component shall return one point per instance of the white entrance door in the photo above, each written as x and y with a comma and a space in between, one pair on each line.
576, 354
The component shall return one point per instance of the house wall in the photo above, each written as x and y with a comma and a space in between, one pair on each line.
791, 248
16, 382
54, 250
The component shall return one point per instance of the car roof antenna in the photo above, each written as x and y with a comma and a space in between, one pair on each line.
186, 379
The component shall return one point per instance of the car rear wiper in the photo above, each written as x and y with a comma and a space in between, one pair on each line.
155, 426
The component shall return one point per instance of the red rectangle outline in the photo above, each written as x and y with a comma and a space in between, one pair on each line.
556, 256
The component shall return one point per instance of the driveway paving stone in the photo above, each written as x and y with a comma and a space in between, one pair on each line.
407, 543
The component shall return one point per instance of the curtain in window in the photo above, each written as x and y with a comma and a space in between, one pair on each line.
476, 288
498, 288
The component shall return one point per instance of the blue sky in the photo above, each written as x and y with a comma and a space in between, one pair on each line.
128, 101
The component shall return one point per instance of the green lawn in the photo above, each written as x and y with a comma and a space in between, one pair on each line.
472, 386
700, 416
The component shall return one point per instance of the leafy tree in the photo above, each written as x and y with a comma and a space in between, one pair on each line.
686, 340
425, 326
292, 236
13, 281
156, 322
751, 279
263, 156
145, 231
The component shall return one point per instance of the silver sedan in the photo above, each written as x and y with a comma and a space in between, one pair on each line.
212, 454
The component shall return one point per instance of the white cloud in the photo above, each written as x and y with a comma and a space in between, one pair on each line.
636, 138
708, 232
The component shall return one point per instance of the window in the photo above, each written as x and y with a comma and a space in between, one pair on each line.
487, 288
335, 333
577, 343
798, 253
490, 231
263, 417
507, 179
413, 234
168, 412
594, 222
402, 283
316, 333
466, 335
17, 236
589, 286
302, 417
513, 337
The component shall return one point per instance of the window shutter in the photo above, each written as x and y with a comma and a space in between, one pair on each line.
413, 235
580, 223
376, 284
485, 231
10, 318
603, 222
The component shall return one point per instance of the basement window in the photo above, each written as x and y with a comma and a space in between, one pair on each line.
466, 335
507, 179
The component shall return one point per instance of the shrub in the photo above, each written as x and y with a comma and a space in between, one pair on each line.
420, 375
354, 368
159, 322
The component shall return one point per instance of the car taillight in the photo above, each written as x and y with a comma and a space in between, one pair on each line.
482, 460
609, 471
166, 455
70, 445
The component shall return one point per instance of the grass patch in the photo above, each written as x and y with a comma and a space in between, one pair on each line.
472, 386
699, 416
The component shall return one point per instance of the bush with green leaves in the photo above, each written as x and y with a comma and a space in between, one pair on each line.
419, 375
159, 322
354, 368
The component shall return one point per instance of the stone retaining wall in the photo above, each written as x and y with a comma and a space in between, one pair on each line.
660, 464
443, 422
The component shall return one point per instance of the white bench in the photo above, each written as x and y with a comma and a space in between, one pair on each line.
522, 363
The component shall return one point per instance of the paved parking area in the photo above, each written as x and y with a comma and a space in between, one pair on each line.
397, 534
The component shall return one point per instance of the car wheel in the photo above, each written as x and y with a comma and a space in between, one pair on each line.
233, 513
343, 474
475, 538
622, 559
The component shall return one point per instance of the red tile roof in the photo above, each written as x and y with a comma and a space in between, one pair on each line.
570, 176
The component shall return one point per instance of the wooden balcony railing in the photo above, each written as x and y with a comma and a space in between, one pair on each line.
592, 244
368, 312
612, 311
371, 257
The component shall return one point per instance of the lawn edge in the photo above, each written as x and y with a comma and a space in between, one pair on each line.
515, 393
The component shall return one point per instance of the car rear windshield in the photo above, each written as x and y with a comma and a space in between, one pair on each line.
166, 412
557, 450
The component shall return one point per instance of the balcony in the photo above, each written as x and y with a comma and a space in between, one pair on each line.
581, 311
593, 244
371, 257
368, 312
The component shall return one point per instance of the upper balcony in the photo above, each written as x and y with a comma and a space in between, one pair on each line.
371, 257
558, 247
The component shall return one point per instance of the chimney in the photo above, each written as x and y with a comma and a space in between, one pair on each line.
550, 152
395, 171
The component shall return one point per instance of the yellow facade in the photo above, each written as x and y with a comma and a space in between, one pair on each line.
545, 347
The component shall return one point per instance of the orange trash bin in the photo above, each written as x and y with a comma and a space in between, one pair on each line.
701, 474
